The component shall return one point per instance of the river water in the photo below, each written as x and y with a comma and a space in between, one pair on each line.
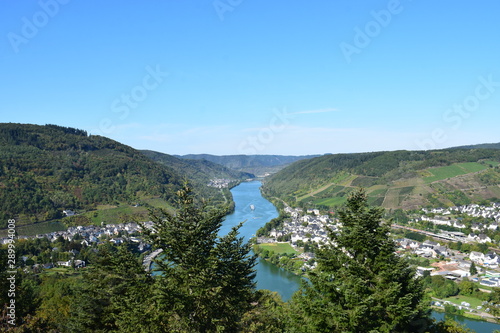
272, 277
269, 276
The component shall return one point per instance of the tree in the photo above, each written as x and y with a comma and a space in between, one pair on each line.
494, 299
466, 287
267, 315
360, 283
441, 286
114, 295
473, 269
205, 282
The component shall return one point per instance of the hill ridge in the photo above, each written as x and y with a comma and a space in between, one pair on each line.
393, 179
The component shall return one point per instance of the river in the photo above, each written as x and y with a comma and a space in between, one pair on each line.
269, 276
272, 277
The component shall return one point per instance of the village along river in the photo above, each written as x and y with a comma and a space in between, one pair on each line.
247, 196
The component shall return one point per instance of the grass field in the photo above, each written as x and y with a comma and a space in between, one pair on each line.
331, 201
474, 302
378, 193
65, 271
473, 166
392, 197
453, 170
104, 213
117, 215
37, 228
278, 248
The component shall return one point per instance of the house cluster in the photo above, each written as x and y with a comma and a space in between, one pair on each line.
94, 234
489, 260
427, 249
478, 229
473, 210
305, 227
457, 223
69, 263
219, 183
458, 268
490, 279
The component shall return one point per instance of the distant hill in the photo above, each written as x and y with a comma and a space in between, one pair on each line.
201, 170
397, 179
480, 146
45, 170
255, 164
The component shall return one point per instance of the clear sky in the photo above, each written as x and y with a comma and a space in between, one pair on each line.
256, 77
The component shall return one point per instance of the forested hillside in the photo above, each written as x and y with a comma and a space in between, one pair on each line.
255, 164
200, 170
397, 179
47, 169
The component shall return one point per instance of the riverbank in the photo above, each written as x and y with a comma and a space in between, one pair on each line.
281, 254
468, 315
272, 277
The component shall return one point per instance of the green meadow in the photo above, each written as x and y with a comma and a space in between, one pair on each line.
278, 248
36, 229
453, 170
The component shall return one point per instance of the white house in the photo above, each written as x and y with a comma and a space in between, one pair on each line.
68, 212
477, 257
482, 238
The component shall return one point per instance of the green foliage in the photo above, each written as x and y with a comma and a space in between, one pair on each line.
494, 299
255, 164
440, 286
114, 295
201, 172
415, 236
399, 216
268, 314
46, 169
273, 224
473, 269
205, 282
467, 287
360, 283
318, 179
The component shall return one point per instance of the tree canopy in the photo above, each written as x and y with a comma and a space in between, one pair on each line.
205, 282
360, 284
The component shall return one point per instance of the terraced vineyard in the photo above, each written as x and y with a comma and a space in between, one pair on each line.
395, 184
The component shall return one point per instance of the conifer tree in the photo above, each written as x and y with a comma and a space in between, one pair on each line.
360, 284
114, 296
205, 282
473, 269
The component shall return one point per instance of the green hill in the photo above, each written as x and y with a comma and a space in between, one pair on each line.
479, 146
201, 170
254, 164
398, 179
47, 169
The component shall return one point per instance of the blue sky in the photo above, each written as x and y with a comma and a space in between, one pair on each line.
256, 77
